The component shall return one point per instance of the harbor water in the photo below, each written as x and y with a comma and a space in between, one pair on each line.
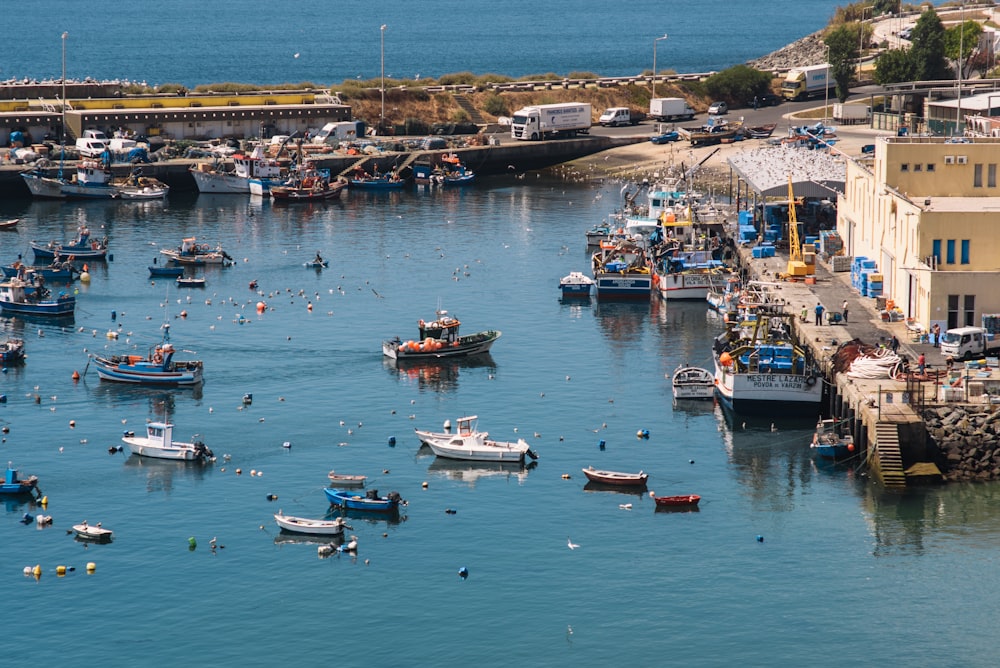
786, 562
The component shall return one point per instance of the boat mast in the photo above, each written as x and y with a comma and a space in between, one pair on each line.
62, 142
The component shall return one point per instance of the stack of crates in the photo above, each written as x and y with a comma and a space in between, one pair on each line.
772, 233
766, 249
874, 285
861, 269
748, 234
830, 242
745, 218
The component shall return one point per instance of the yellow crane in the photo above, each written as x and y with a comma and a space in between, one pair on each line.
801, 259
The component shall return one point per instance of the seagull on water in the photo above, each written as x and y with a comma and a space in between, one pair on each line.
570, 544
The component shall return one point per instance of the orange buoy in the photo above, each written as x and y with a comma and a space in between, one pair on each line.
725, 359
76, 375
261, 306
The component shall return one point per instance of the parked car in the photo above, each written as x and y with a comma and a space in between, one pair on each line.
769, 100
718, 109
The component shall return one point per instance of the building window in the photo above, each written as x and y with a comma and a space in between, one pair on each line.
936, 251
952, 311
965, 251
930, 167
970, 310
977, 176
949, 252
918, 167
905, 167
991, 175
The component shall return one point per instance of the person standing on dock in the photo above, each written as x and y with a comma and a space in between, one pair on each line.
921, 363
894, 344
936, 334
819, 314
844, 309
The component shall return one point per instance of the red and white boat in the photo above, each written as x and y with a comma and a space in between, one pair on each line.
685, 500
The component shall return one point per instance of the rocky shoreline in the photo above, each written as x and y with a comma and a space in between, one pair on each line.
809, 50
967, 439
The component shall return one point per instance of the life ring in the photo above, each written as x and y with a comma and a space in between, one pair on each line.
810, 380
157, 358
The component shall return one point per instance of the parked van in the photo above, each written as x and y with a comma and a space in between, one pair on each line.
91, 148
619, 116
964, 342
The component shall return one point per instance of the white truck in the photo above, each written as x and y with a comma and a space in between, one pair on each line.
851, 113
670, 109
803, 82
964, 343
550, 120
615, 116
92, 144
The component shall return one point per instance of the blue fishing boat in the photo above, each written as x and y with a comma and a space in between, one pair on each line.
576, 284
829, 444
369, 502
450, 172
157, 270
14, 485
57, 272
12, 352
82, 248
157, 368
19, 298
362, 180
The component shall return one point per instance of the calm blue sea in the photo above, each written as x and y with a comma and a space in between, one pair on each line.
846, 574
192, 42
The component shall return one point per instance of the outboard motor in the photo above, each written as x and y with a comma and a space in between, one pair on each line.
371, 494
394, 496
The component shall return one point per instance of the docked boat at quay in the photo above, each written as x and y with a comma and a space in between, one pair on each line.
621, 270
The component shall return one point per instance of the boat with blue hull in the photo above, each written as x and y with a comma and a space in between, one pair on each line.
161, 270
828, 443
11, 352
57, 272
450, 171
621, 271
81, 248
19, 298
14, 484
362, 180
158, 368
576, 284
370, 502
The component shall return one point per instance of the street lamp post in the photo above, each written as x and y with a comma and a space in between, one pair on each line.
961, 49
655, 40
63, 123
381, 120
826, 98
861, 35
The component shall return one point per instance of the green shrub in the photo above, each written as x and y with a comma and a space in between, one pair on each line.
496, 105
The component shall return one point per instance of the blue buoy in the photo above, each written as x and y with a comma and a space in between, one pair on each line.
601, 444
450, 511
463, 572
645, 433
760, 539
3, 398
114, 315
392, 441
27, 519
111, 257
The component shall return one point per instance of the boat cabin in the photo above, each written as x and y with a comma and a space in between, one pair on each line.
467, 425
445, 328
160, 433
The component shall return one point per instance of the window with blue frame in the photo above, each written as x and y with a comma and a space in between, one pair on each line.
936, 250
965, 251
950, 251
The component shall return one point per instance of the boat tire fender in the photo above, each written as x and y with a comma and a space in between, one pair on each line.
810, 380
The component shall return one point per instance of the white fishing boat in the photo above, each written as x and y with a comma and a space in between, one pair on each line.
158, 443
334, 527
470, 444
691, 382
95, 532
251, 173
576, 284
764, 371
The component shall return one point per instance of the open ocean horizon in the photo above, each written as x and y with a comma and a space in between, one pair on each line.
787, 562
253, 41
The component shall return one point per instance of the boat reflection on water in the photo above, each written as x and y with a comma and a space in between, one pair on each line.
677, 509
394, 518
283, 538
439, 375
160, 473
592, 486
471, 472
162, 403
623, 322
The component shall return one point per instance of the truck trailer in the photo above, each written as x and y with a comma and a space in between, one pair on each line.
550, 120
803, 82
670, 109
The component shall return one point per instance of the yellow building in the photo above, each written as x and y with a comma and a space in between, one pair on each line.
927, 211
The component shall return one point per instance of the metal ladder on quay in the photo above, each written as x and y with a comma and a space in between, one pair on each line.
890, 462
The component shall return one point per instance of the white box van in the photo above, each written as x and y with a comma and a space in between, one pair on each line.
964, 342
91, 148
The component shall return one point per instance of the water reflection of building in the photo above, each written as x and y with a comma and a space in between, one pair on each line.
440, 375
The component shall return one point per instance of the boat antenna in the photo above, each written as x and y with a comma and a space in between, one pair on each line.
62, 142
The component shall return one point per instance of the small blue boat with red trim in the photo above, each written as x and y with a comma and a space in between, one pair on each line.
82, 248
370, 502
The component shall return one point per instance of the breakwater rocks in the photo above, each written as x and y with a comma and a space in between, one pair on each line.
810, 50
967, 439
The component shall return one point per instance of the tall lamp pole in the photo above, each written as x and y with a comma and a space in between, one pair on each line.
861, 35
826, 98
961, 50
63, 141
654, 60
381, 120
